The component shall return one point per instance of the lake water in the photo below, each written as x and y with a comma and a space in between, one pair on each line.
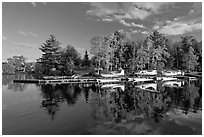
31, 109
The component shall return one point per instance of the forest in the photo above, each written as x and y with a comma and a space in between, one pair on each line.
111, 52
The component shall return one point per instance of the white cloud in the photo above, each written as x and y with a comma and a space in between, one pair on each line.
125, 10
27, 33
125, 23
145, 32
132, 24
24, 45
22, 33
107, 19
32, 34
178, 28
138, 25
134, 31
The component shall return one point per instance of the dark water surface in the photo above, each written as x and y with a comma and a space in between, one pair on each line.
87, 109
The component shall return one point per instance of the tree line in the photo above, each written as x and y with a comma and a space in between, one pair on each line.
111, 52
156, 51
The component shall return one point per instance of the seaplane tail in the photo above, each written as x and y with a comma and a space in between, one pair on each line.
122, 73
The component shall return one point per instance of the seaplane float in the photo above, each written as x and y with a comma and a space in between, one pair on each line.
164, 72
172, 73
113, 86
114, 74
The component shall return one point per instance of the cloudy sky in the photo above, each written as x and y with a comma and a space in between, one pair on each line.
26, 26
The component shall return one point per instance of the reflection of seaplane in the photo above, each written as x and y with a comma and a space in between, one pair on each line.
113, 86
173, 83
152, 87
113, 74
166, 78
140, 79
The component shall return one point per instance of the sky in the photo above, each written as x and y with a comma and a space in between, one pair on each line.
26, 25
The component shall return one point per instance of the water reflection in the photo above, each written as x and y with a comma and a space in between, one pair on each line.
7, 80
116, 104
53, 95
128, 108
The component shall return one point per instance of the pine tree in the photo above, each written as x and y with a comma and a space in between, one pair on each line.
50, 59
86, 62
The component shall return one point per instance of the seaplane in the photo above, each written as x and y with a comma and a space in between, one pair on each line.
147, 72
172, 73
114, 74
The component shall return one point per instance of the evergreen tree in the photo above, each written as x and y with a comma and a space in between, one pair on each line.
86, 62
50, 59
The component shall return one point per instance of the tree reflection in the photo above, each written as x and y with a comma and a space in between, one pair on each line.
117, 105
51, 99
7, 80
53, 95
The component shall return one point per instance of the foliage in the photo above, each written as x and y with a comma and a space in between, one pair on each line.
142, 58
8, 68
70, 59
18, 62
38, 70
50, 59
99, 49
190, 60
157, 49
29, 67
111, 52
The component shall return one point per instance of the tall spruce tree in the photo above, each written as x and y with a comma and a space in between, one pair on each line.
50, 59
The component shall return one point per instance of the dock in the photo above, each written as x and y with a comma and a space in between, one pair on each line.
95, 80
55, 81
